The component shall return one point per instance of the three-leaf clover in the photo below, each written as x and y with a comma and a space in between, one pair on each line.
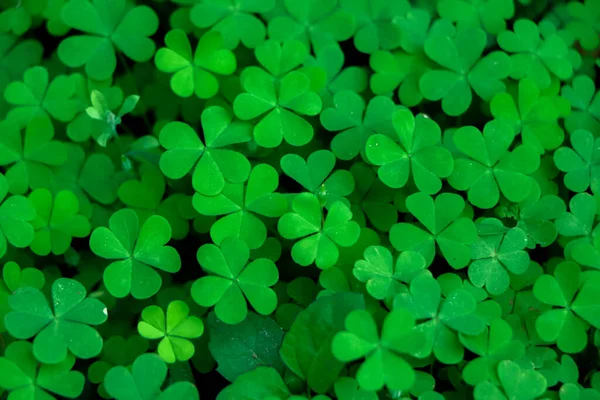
65, 325
384, 363
232, 280
174, 330
581, 162
517, 383
491, 168
101, 112
585, 105
108, 27
212, 163
16, 212
418, 150
319, 237
241, 205
136, 251
459, 51
584, 23
25, 378
489, 14
193, 72
144, 381
13, 277
444, 225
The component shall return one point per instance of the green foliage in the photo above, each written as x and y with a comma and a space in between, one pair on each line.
300, 199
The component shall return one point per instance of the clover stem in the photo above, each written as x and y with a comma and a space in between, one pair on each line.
135, 86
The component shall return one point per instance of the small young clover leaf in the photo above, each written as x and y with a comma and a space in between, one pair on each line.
491, 168
516, 382
317, 175
384, 364
356, 122
136, 252
36, 95
175, 330
100, 111
444, 225
585, 105
418, 149
440, 318
242, 204
234, 19
64, 326
319, 237
489, 14
144, 381
58, 220
232, 280
28, 158
382, 276
213, 164
534, 116
375, 23
580, 162
107, 26
534, 56
25, 378
16, 212
193, 72
584, 23
575, 304
497, 252
459, 52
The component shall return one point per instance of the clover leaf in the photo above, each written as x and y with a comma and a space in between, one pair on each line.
234, 19
517, 383
232, 280
441, 217
213, 164
144, 381
260, 383
538, 53
242, 204
490, 168
108, 27
584, 24
585, 105
15, 214
174, 330
384, 363
319, 237
459, 51
13, 277
25, 378
193, 73
136, 251
439, 319
489, 14
581, 163
419, 150
64, 326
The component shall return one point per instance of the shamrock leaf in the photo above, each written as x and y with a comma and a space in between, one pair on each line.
347, 388
18, 19
382, 276
489, 14
356, 122
498, 250
490, 168
384, 364
419, 150
12, 279
439, 318
441, 217
25, 378
144, 380
174, 330
65, 326
232, 280
213, 165
535, 117
193, 73
581, 163
15, 214
106, 26
260, 383
136, 251
58, 220
534, 56
517, 383
584, 23
319, 237
28, 159
585, 105
317, 175
241, 204
143, 195
234, 19
37, 96
459, 52
565, 292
